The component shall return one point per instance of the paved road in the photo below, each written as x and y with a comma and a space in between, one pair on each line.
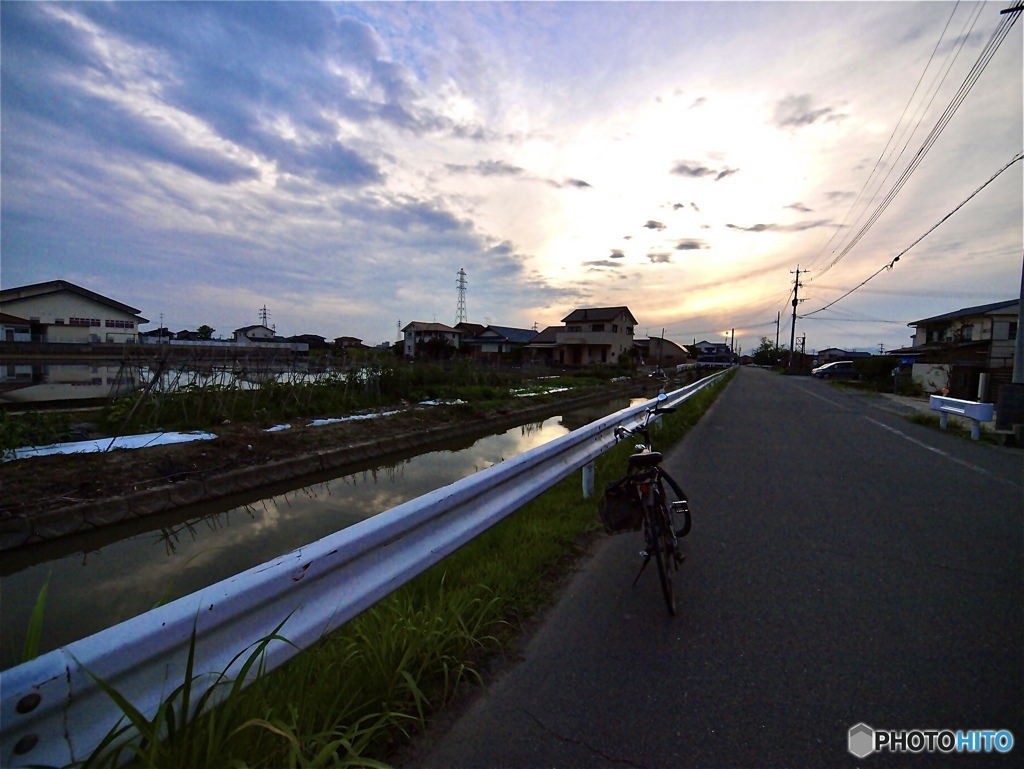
845, 565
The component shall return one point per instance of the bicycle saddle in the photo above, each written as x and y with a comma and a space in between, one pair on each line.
645, 459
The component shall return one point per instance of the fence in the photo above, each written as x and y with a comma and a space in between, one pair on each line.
52, 712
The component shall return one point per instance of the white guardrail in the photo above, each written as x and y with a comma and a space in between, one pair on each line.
53, 713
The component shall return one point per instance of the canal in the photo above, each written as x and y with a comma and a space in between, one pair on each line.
110, 575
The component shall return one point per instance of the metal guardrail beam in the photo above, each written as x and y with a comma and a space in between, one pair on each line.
52, 712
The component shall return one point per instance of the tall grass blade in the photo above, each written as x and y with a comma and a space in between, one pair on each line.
35, 624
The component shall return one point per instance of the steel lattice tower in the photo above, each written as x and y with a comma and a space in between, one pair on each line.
460, 310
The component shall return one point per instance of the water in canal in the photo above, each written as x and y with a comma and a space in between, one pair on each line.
113, 574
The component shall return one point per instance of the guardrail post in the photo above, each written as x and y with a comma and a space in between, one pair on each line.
588, 480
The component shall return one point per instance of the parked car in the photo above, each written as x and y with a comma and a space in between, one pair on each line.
840, 369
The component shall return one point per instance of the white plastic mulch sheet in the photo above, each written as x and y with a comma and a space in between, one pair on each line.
103, 444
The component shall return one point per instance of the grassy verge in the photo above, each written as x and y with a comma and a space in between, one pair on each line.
362, 691
956, 428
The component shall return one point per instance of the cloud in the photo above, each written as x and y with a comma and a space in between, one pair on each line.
698, 102
838, 197
578, 183
653, 225
487, 168
696, 170
797, 112
691, 244
677, 206
799, 207
659, 258
602, 263
617, 254
798, 227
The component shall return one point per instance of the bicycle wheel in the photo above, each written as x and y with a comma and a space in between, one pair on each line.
663, 543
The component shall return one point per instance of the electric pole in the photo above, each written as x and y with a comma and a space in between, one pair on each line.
778, 317
796, 301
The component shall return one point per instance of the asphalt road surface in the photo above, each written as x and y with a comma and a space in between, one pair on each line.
845, 566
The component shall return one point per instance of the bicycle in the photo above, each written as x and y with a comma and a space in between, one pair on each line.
638, 501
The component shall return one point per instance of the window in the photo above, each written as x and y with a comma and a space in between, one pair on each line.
120, 324
615, 328
597, 327
83, 321
573, 329
58, 321
1013, 331
967, 333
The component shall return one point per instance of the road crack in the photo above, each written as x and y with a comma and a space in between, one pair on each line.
581, 743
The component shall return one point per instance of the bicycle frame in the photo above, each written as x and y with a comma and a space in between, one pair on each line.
646, 475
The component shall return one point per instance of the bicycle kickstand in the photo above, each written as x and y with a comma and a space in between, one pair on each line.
647, 558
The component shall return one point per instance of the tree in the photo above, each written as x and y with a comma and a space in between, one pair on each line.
205, 332
767, 353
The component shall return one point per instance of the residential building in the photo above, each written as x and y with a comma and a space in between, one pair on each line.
543, 348
350, 343
14, 329
60, 311
953, 350
251, 335
418, 333
595, 335
830, 354
496, 342
712, 352
663, 353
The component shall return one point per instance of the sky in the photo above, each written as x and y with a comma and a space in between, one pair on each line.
338, 164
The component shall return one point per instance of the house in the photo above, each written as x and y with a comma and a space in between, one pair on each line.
60, 311
543, 348
418, 334
830, 354
251, 335
595, 335
313, 341
496, 342
350, 343
160, 335
953, 350
14, 329
664, 353
713, 352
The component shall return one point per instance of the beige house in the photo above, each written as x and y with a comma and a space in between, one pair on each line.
60, 311
595, 335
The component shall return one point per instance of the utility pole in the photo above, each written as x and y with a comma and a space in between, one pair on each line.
732, 341
796, 301
778, 317
881, 348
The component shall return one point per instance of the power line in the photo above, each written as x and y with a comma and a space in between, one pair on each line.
891, 264
896, 128
1002, 30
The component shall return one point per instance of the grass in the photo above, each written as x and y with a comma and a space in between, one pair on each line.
361, 692
956, 428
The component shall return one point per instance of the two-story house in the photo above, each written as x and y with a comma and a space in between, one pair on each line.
954, 349
419, 334
496, 342
595, 335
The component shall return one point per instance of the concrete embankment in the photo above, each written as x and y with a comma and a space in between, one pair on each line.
21, 531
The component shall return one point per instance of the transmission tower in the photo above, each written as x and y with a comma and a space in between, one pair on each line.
264, 316
460, 310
